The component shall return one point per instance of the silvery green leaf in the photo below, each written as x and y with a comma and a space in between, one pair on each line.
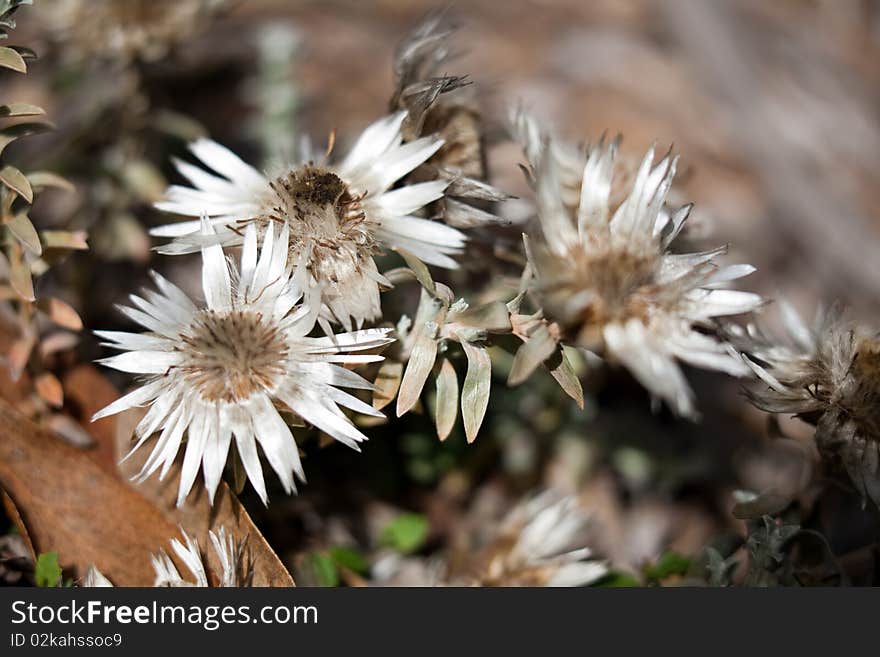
462, 215
421, 360
20, 109
447, 399
20, 226
420, 269
475, 392
493, 317
534, 351
16, 181
10, 59
43, 179
562, 371
387, 383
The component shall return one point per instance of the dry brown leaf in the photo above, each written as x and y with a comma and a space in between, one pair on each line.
68, 503
90, 391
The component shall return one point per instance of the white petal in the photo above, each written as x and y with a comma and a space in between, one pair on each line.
142, 362
215, 274
375, 140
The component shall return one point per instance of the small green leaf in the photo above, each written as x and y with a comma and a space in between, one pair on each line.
350, 558
669, 564
406, 533
47, 572
618, 579
325, 570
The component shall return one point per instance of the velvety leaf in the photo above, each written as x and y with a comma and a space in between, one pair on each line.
13, 132
20, 109
493, 317
447, 399
562, 371
43, 179
10, 59
420, 270
476, 388
387, 383
21, 227
16, 181
534, 351
421, 360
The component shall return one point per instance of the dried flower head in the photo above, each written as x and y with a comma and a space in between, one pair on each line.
230, 369
540, 543
829, 376
237, 569
339, 216
604, 274
134, 29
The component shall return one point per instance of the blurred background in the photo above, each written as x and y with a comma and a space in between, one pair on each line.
774, 108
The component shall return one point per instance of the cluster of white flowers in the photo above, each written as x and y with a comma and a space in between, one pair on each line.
228, 378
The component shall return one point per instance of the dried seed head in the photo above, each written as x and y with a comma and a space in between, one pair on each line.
829, 376
327, 223
228, 356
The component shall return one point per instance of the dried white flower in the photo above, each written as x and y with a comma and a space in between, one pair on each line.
340, 216
606, 277
229, 370
144, 29
236, 572
827, 375
237, 569
95, 579
541, 543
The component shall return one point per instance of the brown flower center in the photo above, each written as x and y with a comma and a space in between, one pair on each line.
228, 356
326, 220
